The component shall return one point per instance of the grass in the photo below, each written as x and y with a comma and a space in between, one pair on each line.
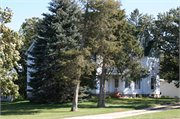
168, 114
26, 110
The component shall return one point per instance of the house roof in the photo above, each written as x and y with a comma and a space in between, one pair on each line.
30, 48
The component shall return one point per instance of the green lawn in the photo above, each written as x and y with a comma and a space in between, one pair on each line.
168, 114
26, 110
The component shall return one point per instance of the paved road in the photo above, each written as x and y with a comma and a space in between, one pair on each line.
128, 113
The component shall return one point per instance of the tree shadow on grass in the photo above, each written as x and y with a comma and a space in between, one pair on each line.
27, 108
19, 112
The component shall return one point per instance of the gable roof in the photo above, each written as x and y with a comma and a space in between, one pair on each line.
30, 48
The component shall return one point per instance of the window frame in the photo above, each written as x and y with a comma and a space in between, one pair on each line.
137, 84
153, 83
116, 84
127, 85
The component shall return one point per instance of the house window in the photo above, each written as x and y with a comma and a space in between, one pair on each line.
116, 83
127, 84
153, 64
153, 82
137, 85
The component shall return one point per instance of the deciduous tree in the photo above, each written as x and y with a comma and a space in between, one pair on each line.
166, 38
10, 42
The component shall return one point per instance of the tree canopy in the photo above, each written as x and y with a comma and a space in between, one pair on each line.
166, 38
10, 42
111, 39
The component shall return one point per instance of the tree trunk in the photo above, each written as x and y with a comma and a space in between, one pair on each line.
102, 94
75, 98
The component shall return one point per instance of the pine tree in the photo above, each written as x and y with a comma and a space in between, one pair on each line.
99, 27
55, 47
128, 60
111, 38
144, 23
135, 17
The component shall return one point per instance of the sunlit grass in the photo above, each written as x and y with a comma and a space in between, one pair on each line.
26, 110
168, 114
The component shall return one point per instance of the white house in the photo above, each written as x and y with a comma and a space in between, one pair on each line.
145, 87
29, 69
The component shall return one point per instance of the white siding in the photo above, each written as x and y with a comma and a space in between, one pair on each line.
120, 86
28, 75
110, 86
146, 83
126, 90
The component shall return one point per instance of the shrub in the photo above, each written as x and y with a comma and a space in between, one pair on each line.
94, 97
140, 96
108, 96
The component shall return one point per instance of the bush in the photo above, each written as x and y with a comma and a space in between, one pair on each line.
94, 97
140, 96
108, 97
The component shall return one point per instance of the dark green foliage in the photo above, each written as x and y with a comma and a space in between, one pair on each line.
135, 18
128, 59
169, 69
84, 94
65, 95
59, 32
166, 37
89, 80
113, 41
54, 94
144, 25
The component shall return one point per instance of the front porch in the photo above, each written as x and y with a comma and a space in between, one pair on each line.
145, 87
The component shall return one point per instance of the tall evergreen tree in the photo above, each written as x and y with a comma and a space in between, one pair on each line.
76, 62
144, 23
55, 47
135, 17
129, 58
109, 34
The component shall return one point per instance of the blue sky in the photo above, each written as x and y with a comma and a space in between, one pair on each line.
34, 8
